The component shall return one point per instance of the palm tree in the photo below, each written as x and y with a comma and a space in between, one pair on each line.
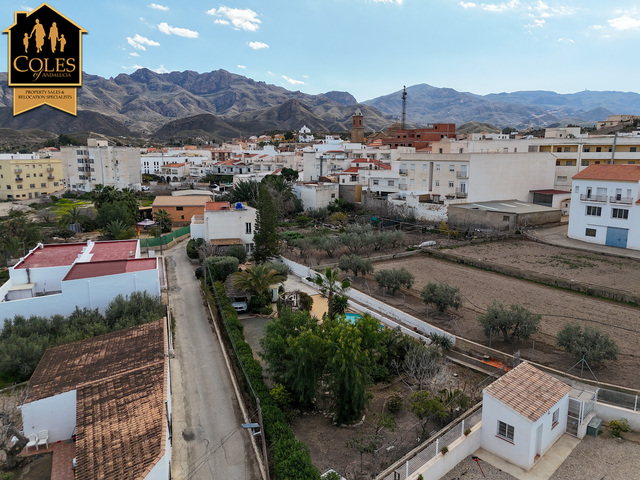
257, 279
330, 286
163, 219
71, 216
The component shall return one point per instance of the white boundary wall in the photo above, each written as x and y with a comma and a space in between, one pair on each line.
383, 312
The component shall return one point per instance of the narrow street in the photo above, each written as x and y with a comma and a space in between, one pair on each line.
208, 441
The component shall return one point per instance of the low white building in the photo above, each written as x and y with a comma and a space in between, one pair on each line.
605, 206
317, 195
224, 224
305, 135
55, 279
524, 413
111, 395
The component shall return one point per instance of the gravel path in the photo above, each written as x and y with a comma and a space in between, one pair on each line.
467, 469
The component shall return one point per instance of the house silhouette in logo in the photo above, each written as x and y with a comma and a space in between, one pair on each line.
45, 49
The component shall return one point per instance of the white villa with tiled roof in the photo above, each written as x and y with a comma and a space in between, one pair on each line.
523, 414
605, 206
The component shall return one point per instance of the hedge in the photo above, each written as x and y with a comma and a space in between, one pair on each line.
291, 458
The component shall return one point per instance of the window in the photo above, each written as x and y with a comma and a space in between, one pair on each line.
555, 417
461, 150
577, 189
179, 209
567, 149
247, 228
391, 183
505, 431
569, 163
333, 195
594, 211
450, 184
621, 213
505, 218
562, 178
19, 187
437, 183
32, 185
584, 163
437, 167
586, 149
590, 232
181, 217
632, 149
43, 185
598, 149
413, 166
452, 168
376, 182
439, 150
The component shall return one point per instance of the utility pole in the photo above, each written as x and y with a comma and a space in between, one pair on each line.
404, 106
613, 149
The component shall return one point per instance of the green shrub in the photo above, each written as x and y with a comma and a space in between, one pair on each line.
394, 402
221, 267
237, 251
192, 247
441, 340
618, 427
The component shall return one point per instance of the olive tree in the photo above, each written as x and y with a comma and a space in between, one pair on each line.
587, 343
441, 295
514, 322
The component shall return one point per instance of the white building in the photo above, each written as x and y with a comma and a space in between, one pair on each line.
317, 195
98, 163
524, 413
111, 396
57, 278
605, 206
304, 135
224, 224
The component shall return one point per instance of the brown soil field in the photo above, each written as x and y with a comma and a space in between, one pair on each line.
579, 266
480, 288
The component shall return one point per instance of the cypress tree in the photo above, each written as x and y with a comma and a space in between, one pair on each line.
267, 243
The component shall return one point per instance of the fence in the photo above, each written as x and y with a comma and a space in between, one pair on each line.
165, 239
619, 399
415, 460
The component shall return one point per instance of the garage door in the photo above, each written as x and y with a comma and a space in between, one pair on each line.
617, 237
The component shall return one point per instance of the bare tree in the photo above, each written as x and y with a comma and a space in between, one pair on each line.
421, 364
11, 440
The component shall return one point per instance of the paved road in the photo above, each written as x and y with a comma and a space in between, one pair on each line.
208, 442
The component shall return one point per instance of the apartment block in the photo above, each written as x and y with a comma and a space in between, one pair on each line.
26, 176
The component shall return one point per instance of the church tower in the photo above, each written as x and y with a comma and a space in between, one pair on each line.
357, 128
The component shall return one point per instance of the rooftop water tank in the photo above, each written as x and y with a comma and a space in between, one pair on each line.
238, 205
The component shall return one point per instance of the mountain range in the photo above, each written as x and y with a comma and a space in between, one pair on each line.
220, 105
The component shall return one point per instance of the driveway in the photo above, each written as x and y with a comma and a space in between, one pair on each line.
208, 441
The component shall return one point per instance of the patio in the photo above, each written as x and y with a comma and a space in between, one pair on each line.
63, 455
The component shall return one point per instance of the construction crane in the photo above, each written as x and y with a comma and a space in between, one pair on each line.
404, 105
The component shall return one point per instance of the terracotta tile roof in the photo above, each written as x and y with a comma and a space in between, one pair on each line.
528, 391
110, 267
217, 206
121, 424
116, 250
351, 170
52, 256
175, 165
223, 242
180, 200
605, 171
69, 366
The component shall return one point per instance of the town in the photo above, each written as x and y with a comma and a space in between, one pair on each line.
408, 304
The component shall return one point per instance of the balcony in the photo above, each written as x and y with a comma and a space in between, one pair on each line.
403, 171
593, 198
50, 176
462, 174
622, 200
403, 186
461, 194
19, 179
49, 169
17, 171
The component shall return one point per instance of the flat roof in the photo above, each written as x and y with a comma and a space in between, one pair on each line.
181, 200
504, 206
551, 192
64, 254
110, 267
115, 250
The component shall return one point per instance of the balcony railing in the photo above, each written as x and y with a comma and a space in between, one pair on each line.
462, 175
19, 179
403, 171
50, 176
49, 169
624, 200
461, 194
593, 198
17, 170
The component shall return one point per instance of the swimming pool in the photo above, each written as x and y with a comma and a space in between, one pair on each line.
352, 317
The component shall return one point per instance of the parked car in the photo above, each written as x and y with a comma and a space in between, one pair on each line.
240, 304
199, 272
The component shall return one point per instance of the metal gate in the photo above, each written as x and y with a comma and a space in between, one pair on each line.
617, 237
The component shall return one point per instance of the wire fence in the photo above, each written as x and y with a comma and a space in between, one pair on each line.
618, 399
165, 239
432, 447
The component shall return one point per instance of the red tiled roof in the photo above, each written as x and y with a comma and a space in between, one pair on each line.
66, 367
528, 391
181, 200
175, 165
109, 267
351, 170
210, 206
605, 171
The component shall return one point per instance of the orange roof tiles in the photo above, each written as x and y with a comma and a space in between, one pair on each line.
110, 267
116, 250
528, 391
181, 200
175, 165
605, 171
217, 206
52, 256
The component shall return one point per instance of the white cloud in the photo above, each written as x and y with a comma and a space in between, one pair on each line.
399, 2
241, 19
305, 76
270, 73
537, 23
164, 27
536, 8
241, 66
566, 40
134, 54
155, 6
24, 8
258, 45
625, 22
161, 69
293, 81
138, 42
136, 67
468, 4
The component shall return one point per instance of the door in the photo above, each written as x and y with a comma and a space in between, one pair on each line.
617, 237
539, 441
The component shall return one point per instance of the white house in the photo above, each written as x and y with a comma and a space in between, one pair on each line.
305, 135
55, 279
111, 392
523, 414
605, 206
224, 224
317, 195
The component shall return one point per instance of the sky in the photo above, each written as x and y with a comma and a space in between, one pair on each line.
368, 48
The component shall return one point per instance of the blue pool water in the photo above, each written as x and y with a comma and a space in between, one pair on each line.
352, 317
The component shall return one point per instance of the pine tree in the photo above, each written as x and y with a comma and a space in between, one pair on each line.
267, 243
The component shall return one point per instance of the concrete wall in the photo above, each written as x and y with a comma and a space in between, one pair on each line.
47, 278
461, 448
56, 414
610, 412
464, 218
219, 224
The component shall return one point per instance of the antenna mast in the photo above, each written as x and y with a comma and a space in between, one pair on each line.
404, 105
